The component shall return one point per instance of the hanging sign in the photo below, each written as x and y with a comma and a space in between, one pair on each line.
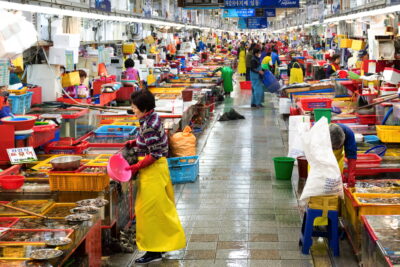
253, 23
69, 60
21, 155
239, 13
262, 3
270, 12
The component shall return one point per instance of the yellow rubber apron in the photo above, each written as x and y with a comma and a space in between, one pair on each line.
339, 155
158, 228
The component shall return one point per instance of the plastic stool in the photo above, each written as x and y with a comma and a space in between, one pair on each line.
307, 230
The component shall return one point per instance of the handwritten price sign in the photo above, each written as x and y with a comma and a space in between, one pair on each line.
21, 155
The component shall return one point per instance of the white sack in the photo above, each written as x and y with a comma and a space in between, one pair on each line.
324, 177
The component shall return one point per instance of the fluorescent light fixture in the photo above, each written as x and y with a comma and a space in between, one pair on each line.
376, 12
87, 15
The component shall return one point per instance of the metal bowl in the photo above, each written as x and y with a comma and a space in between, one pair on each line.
66, 163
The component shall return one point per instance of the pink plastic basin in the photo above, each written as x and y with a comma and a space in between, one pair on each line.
116, 168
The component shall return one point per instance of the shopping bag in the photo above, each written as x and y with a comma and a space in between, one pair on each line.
270, 82
324, 177
296, 75
183, 144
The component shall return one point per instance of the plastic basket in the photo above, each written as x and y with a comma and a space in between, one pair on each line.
115, 130
124, 93
183, 169
4, 72
366, 119
78, 181
105, 98
21, 91
308, 104
67, 100
246, 85
43, 135
388, 134
20, 104
66, 146
367, 160
376, 208
7, 222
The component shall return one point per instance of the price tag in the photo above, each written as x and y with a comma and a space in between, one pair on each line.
21, 155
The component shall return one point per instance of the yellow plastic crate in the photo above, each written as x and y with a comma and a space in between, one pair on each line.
45, 165
78, 181
41, 207
128, 48
100, 161
18, 92
358, 45
170, 90
70, 79
375, 208
56, 207
388, 134
346, 43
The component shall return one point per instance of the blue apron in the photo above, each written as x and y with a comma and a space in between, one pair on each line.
257, 87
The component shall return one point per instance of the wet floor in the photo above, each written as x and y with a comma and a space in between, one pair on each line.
237, 213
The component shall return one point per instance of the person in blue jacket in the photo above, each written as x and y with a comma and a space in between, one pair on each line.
344, 145
256, 78
275, 60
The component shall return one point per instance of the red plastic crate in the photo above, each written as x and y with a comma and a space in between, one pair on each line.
42, 135
70, 101
106, 98
245, 85
309, 104
7, 222
366, 119
37, 95
124, 93
66, 146
367, 160
99, 82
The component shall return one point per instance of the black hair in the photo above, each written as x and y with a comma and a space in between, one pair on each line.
256, 50
144, 100
274, 50
334, 57
129, 63
82, 74
268, 54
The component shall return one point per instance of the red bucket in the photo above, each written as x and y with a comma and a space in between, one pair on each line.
245, 85
302, 165
187, 95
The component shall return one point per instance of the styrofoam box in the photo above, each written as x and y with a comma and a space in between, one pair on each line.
391, 75
284, 105
66, 40
57, 55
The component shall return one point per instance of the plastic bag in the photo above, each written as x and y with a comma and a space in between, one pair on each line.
296, 75
297, 125
183, 144
324, 177
271, 83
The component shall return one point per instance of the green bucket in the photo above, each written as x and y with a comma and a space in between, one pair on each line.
322, 112
283, 167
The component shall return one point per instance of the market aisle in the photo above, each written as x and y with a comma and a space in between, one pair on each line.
237, 214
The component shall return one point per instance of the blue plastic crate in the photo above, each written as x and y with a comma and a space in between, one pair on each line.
20, 104
184, 169
115, 130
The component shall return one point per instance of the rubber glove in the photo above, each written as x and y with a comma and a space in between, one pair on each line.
130, 143
147, 161
351, 168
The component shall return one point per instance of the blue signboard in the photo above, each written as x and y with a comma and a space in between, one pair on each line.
239, 13
270, 12
262, 3
253, 23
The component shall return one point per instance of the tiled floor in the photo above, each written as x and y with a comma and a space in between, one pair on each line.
237, 214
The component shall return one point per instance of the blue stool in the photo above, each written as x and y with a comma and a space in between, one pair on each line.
307, 230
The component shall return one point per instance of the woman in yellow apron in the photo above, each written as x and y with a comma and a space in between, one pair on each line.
242, 59
158, 228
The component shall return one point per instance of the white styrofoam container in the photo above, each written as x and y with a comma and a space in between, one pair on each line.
66, 40
284, 105
46, 77
388, 90
57, 55
391, 75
